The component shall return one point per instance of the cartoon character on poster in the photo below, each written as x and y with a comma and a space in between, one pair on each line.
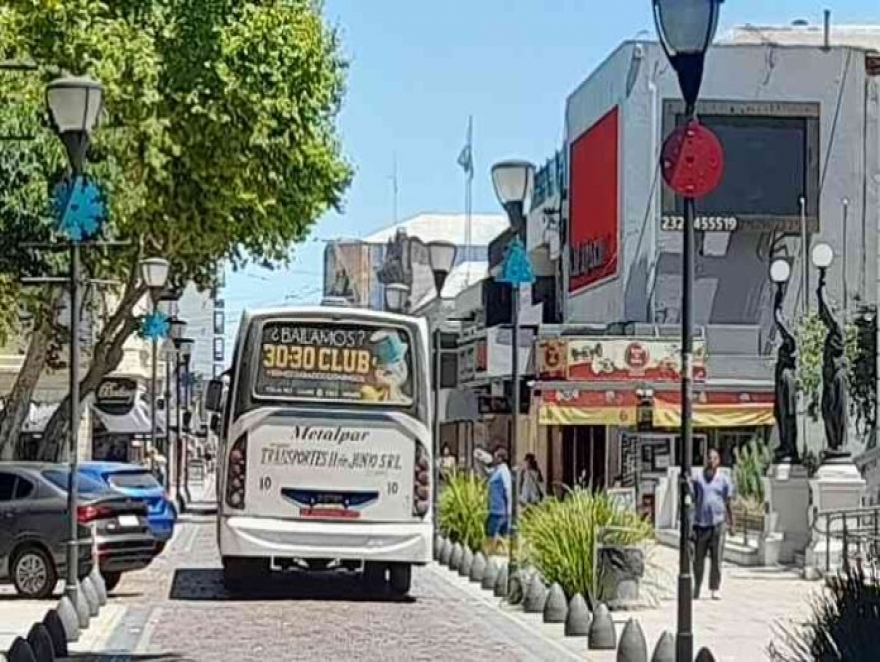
390, 369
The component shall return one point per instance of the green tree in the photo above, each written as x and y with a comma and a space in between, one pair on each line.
218, 142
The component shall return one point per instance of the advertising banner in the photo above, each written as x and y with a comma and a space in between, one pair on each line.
631, 359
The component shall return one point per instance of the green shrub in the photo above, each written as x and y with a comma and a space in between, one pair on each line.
559, 536
752, 462
843, 625
464, 506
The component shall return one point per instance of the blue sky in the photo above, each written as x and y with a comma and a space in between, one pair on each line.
418, 69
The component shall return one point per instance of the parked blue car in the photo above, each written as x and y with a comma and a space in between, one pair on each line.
137, 482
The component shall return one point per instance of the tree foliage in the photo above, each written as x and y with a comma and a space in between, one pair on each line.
218, 141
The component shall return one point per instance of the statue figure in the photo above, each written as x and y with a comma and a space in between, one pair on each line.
785, 382
835, 404
396, 266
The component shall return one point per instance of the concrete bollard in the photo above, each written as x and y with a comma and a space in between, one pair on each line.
69, 619
438, 543
556, 606
99, 584
603, 636
490, 575
55, 628
41, 643
665, 650
536, 596
88, 590
705, 655
501, 588
457, 555
517, 587
633, 646
578, 620
82, 609
20, 651
446, 552
467, 560
478, 568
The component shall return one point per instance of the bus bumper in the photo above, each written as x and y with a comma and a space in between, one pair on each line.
259, 537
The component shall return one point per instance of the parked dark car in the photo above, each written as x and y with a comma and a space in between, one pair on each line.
33, 512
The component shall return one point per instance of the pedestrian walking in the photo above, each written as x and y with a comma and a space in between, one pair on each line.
500, 484
531, 482
713, 492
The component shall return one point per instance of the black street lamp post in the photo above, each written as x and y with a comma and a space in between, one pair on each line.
441, 257
183, 347
513, 181
154, 272
74, 105
172, 373
686, 29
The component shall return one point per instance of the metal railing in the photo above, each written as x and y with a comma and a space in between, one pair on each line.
857, 529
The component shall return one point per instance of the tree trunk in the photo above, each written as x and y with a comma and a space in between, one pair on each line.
19, 402
106, 356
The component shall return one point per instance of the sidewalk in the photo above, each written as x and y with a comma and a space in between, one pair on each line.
737, 628
17, 616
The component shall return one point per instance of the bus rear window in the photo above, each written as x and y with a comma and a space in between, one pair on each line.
319, 361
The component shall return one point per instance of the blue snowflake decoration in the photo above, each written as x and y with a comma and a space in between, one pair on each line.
517, 269
155, 326
78, 208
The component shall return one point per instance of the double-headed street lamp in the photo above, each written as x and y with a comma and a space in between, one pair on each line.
154, 272
686, 29
74, 104
513, 181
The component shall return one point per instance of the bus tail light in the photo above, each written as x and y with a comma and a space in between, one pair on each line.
236, 473
421, 482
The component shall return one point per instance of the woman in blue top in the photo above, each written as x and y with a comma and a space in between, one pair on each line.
498, 521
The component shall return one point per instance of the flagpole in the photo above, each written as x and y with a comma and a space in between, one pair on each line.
468, 196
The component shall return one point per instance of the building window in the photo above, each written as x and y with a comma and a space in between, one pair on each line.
219, 348
219, 322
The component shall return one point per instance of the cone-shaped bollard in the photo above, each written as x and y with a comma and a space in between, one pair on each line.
633, 645
536, 596
490, 575
69, 619
577, 622
556, 606
41, 643
55, 628
20, 651
517, 587
478, 567
500, 590
82, 609
705, 655
438, 544
446, 552
91, 595
467, 559
457, 555
603, 636
100, 586
665, 650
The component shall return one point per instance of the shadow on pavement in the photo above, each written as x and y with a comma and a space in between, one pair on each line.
125, 657
207, 584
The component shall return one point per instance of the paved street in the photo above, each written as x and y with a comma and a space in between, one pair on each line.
179, 610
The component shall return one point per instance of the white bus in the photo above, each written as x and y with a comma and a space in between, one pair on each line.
325, 445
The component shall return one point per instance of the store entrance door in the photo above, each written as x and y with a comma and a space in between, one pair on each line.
584, 450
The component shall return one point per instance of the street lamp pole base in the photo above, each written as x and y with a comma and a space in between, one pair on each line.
684, 638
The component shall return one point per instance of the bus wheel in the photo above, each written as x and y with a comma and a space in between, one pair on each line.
237, 571
401, 578
374, 575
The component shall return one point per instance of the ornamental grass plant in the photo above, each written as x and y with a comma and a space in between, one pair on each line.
464, 506
560, 537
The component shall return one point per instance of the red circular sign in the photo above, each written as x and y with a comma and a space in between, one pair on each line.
692, 160
637, 356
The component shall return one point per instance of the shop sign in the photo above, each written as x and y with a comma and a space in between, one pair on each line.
116, 396
631, 359
551, 359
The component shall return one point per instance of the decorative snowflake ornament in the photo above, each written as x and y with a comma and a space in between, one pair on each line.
78, 208
155, 326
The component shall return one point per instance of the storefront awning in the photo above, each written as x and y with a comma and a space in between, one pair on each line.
561, 407
716, 409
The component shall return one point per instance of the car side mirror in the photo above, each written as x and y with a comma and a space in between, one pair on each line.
214, 396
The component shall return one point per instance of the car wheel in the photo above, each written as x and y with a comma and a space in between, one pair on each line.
401, 578
111, 579
374, 575
33, 573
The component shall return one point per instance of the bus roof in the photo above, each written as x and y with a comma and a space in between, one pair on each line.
339, 312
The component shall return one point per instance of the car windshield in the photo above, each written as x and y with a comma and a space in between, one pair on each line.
140, 480
85, 486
